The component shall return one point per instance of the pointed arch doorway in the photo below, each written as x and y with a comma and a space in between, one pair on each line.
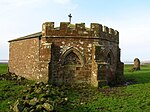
71, 62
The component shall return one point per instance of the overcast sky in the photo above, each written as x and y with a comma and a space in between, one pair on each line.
130, 17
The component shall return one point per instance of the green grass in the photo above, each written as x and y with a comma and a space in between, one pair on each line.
130, 98
142, 76
9, 92
3, 68
133, 98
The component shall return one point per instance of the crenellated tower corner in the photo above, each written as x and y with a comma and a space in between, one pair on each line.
66, 29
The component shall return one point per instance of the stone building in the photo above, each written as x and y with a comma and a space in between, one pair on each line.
68, 54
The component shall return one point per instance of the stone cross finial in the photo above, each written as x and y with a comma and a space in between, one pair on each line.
70, 16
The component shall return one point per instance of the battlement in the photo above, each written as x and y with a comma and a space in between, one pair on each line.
66, 29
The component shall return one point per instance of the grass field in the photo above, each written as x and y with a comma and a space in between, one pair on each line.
129, 98
3, 68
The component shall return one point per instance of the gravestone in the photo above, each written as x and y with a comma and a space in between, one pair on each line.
136, 64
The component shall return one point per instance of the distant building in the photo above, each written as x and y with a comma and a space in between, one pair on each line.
68, 54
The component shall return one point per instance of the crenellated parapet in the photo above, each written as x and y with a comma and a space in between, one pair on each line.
78, 30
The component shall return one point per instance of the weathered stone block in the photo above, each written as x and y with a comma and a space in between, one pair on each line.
136, 64
106, 29
96, 29
64, 26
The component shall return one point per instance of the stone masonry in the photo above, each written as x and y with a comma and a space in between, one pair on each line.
68, 54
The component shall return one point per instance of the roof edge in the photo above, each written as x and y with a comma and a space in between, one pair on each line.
34, 35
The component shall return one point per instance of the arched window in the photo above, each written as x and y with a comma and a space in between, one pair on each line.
72, 59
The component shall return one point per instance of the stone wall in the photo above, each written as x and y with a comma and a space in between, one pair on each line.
76, 69
69, 54
79, 30
24, 59
86, 41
